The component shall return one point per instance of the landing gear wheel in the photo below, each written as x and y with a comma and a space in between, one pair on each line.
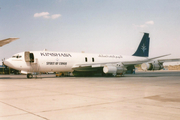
29, 76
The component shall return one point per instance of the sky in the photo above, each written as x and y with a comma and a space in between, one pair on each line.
93, 26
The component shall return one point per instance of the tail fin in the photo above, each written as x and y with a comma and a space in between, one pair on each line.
143, 49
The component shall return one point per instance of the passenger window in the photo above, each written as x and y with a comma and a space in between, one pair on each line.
92, 59
86, 59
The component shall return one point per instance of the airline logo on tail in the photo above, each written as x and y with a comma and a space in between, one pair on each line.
143, 48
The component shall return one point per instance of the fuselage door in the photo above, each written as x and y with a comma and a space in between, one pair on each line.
31, 57
27, 56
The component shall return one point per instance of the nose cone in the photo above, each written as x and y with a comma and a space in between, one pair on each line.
7, 62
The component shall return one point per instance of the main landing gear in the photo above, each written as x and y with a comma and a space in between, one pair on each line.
29, 76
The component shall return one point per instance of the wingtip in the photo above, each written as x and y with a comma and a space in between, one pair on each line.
15, 38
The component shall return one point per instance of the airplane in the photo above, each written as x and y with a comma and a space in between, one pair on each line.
6, 41
80, 64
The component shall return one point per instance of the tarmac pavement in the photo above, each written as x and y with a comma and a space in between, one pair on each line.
140, 96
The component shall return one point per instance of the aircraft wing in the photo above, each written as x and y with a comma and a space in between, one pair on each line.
142, 61
100, 65
169, 60
6, 41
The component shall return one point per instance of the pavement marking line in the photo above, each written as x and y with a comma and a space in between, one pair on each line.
78, 107
90, 105
24, 111
14, 115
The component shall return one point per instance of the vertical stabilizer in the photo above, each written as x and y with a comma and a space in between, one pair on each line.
143, 48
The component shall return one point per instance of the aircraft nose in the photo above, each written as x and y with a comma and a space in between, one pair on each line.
7, 63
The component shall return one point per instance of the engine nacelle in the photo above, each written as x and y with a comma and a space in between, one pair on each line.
114, 69
110, 69
155, 65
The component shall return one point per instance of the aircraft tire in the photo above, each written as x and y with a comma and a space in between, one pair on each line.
29, 76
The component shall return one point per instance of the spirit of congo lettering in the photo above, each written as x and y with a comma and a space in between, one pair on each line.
56, 63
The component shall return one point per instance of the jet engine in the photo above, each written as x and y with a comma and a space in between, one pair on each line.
154, 65
117, 69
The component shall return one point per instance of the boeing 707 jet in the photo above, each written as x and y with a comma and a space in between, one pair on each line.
29, 62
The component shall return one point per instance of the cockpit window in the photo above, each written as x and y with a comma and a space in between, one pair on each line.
16, 56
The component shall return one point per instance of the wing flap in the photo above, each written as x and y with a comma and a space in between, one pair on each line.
88, 65
134, 62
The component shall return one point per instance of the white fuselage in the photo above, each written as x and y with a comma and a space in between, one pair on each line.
49, 61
